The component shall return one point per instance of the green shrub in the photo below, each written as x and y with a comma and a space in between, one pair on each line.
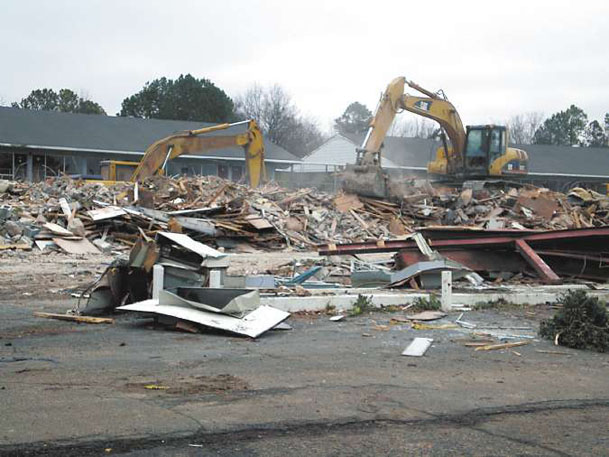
581, 323
432, 303
362, 305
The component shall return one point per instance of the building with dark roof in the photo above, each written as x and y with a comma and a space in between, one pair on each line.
37, 144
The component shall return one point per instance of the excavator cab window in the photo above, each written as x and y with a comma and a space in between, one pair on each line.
476, 151
484, 144
497, 146
476, 143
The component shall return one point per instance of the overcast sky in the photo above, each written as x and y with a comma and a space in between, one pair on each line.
493, 59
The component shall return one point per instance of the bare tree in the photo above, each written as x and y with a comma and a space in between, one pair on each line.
279, 119
250, 104
413, 128
523, 127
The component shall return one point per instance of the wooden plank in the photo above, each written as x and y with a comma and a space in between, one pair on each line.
494, 347
107, 212
234, 228
359, 219
292, 198
74, 318
20, 246
83, 246
333, 226
57, 229
217, 194
533, 259
258, 222
346, 202
65, 208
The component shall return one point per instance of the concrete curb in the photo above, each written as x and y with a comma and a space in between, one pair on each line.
345, 298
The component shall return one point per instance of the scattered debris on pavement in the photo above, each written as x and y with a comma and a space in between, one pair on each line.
418, 347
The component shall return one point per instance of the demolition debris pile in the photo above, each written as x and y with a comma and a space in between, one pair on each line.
86, 217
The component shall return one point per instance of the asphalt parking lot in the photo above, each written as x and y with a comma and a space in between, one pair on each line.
322, 388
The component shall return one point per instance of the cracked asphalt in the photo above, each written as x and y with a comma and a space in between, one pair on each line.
323, 388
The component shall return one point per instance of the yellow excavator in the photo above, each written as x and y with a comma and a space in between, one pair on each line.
478, 152
192, 142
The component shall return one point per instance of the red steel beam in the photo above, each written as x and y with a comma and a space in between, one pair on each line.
472, 242
475, 259
538, 264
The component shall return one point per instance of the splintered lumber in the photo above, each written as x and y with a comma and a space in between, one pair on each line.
293, 198
345, 202
217, 194
21, 246
74, 318
476, 343
494, 347
359, 219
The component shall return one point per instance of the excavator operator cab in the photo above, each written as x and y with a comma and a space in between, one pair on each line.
483, 145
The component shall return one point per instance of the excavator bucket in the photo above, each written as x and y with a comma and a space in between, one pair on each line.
366, 181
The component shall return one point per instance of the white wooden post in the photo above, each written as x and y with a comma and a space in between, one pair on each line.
158, 273
447, 290
215, 279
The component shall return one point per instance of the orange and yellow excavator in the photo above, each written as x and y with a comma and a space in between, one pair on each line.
478, 152
194, 142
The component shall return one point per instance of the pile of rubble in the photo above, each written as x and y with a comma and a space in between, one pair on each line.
505, 208
85, 217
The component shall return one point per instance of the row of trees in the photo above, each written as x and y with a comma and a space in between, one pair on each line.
189, 98
570, 127
65, 101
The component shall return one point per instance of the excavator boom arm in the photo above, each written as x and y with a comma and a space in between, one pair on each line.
194, 142
387, 108
441, 111
433, 107
366, 177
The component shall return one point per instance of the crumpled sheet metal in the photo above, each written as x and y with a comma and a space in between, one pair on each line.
253, 324
235, 302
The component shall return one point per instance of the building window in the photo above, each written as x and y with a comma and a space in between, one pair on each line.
209, 169
237, 173
223, 171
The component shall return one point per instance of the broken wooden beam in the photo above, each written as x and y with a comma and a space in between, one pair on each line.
74, 318
495, 347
